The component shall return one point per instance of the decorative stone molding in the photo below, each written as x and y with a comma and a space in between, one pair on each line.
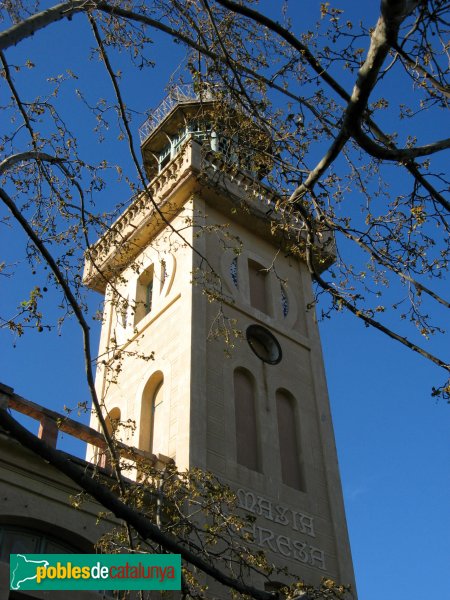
191, 169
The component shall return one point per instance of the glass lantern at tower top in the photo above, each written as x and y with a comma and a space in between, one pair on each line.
188, 115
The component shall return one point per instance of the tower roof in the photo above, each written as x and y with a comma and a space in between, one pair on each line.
167, 124
179, 95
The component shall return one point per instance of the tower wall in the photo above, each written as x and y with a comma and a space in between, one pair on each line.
132, 353
216, 397
304, 530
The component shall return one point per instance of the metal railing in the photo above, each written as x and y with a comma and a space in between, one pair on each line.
177, 95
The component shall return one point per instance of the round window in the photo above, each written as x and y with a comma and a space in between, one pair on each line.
264, 344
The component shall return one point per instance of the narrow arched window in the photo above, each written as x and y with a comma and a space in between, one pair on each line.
291, 466
158, 433
144, 295
245, 420
154, 425
258, 283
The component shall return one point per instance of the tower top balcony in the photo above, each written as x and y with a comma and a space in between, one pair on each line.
203, 115
183, 113
182, 94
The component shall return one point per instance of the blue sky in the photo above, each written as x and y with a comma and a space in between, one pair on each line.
391, 435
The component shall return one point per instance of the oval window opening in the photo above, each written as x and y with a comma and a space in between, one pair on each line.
264, 344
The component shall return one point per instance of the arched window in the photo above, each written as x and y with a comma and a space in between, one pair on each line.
28, 539
154, 424
291, 469
144, 295
158, 433
245, 417
113, 420
258, 282
31, 536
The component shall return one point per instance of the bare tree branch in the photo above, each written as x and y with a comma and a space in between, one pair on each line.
14, 159
397, 154
303, 50
358, 239
383, 37
34, 23
360, 313
23, 222
414, 64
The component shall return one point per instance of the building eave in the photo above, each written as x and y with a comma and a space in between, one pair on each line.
230, 190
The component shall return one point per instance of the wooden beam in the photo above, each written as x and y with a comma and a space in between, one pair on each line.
73, 428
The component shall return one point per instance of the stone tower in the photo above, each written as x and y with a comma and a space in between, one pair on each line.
255, 410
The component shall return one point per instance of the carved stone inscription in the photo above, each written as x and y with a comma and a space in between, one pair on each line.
290, 546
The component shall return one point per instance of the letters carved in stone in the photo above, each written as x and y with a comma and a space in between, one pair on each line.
285, 545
